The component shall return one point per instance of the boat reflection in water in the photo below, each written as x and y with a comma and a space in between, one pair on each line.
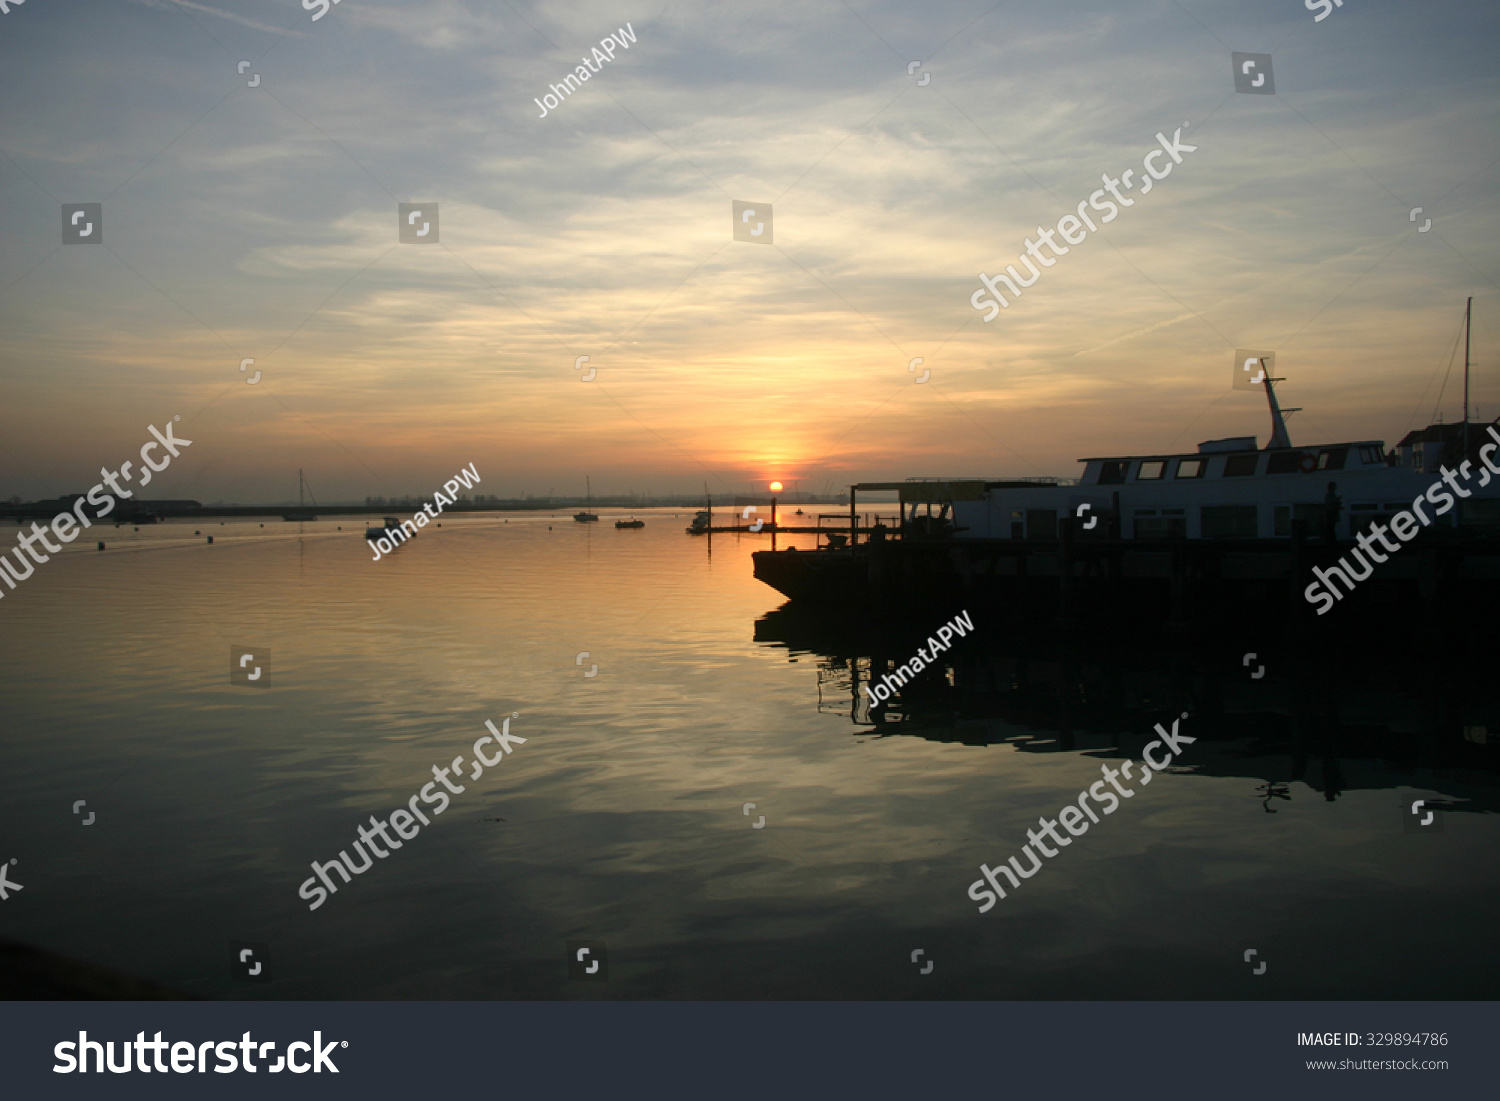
1364, 716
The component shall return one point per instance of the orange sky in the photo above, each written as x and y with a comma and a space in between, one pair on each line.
260, 223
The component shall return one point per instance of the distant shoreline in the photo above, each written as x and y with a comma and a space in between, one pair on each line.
166, 510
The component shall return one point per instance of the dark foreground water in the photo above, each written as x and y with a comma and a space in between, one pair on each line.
1284, 829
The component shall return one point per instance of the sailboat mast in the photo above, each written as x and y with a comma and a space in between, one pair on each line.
1468, 317
299, 487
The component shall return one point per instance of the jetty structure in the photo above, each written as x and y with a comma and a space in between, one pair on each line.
1231, 528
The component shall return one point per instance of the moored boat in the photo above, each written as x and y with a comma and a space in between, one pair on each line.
587, 516
1231, 514
302, 511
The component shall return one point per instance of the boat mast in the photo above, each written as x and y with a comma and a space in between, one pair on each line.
1468, 317
1279, 436
299, 487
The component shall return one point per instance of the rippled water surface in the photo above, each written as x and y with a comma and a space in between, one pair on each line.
622, 818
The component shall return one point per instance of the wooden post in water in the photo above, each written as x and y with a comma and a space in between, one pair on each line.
1427, 581
710, 497
1065, 572
1179, 564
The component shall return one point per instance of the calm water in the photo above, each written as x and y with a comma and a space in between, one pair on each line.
623, 815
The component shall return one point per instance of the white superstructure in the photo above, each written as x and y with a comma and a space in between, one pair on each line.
1232, 489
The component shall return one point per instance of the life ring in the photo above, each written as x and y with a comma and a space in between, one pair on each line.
1308, 463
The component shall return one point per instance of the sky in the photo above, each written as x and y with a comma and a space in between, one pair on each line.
260, 222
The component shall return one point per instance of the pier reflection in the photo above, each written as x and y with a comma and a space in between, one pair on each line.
1332, 714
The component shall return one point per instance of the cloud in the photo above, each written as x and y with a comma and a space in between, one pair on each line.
168, 5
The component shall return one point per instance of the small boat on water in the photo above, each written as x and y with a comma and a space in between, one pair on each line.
302, 511
380, 532
700, 523
631, 523
587, 516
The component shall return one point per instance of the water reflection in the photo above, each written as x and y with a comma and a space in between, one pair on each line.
1334, 719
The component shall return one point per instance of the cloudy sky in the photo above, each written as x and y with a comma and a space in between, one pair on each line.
262, 222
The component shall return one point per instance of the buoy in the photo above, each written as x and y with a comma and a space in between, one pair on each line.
101, 544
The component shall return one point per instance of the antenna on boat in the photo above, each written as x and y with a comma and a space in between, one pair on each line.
1279, 436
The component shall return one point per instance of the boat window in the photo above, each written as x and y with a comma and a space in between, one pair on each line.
1229, 521
1241, 466
1371, 455
1284, 462
1284, 516
1113, 473
1333, 458
1148, 525
1480, 514
1192, 468
1151, 470
1361, 517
